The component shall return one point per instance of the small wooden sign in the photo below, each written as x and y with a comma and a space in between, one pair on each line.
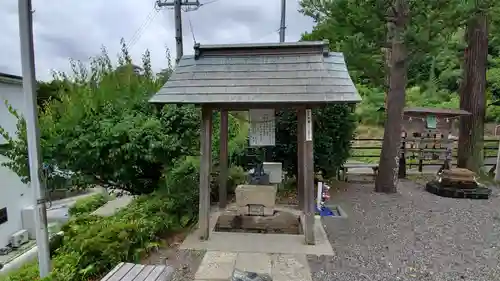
309, 129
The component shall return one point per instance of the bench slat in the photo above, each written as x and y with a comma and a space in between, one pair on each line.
167, 274
133, 272
144, 273
156, 273
124, 269
139, 272
117, 267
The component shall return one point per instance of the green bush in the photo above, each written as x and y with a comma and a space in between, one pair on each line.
236, 176
87, 205
333, 131
102, 127
181, 182
93, 245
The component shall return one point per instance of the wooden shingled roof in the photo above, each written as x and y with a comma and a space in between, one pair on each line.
303, 72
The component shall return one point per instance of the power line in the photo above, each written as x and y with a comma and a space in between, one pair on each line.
191, 29
267, 34
209, 2
139, 32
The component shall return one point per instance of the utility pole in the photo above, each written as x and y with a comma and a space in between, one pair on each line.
33, 134
177, 4
282, 24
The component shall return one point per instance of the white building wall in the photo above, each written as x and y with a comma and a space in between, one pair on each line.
14, 194
13, 93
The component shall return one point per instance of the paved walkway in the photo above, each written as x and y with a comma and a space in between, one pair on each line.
283, 256
218, 265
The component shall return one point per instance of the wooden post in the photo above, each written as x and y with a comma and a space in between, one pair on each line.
223, 158
301, 113
402, 158
308, 175
205, 160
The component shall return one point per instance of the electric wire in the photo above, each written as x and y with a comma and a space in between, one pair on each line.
267, 34
140, 31
191, 28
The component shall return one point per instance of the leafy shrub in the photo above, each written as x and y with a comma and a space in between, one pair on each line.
236, 176
93, 245
87, 205
181, 182
333, 131
103, 128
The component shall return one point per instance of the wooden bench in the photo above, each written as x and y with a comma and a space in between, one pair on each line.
342, 175
139, 272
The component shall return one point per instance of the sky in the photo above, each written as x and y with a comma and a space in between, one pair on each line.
77, 29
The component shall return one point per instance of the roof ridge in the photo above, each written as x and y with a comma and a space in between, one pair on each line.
304, 47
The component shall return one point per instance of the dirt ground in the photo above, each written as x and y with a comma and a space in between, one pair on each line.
185, 262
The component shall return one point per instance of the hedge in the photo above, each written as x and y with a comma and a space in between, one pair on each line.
87, 205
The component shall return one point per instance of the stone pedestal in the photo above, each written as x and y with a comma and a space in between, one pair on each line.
256, 200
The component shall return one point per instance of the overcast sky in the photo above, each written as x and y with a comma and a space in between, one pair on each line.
78, 28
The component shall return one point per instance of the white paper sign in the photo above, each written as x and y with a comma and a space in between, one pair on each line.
309, 130
262, 127
319, 196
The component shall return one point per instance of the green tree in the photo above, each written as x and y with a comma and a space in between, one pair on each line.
473, 87
333, 130
105, 131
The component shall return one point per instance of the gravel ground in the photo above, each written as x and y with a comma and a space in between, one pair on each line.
411, 235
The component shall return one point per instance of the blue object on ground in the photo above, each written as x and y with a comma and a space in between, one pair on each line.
325, 212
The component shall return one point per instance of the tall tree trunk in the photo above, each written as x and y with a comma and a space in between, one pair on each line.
387, 178
473, 94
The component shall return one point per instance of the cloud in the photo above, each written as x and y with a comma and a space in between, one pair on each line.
78, 29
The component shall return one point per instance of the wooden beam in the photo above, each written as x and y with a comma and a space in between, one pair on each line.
205, 160
300, 156
247, 106
223, 158
308, 166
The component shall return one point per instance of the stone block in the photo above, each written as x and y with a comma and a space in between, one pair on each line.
255, 210
256, 199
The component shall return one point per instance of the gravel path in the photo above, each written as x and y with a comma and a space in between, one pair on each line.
411, 235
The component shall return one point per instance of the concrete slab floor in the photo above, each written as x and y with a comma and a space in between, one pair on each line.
259, 243
218, 265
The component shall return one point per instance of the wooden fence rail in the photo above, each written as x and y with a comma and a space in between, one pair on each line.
368, 150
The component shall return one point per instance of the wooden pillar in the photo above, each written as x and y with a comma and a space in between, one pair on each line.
308, 176
300, 156
205, 160
223, 158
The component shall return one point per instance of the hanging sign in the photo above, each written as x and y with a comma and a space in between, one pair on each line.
309, 129
431, 122
262, 127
